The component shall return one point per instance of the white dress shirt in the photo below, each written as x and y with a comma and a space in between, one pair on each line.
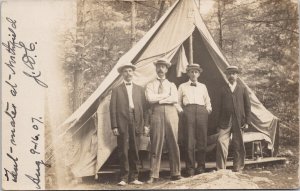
169, 95
188, 94
129, 93
232, 86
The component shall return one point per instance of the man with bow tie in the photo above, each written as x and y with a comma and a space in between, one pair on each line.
162, 95
194, 99
128, 113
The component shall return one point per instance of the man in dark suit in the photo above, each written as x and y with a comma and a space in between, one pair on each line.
234, 117
128, 108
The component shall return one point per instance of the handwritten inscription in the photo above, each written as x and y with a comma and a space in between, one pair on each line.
29, 61
11, 172
36, 122
34, 139
11, 111
36, 179
18, 52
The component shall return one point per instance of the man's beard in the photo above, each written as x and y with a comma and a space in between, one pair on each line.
231, 80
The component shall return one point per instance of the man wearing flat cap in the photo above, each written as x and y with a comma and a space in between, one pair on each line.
162, 95
235, 113
128, 109
194, 99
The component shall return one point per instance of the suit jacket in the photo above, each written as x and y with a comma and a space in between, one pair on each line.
119, 108
235, 103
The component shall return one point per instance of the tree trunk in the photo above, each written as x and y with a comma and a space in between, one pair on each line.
161, 9
220, 24
133, 22
76, 97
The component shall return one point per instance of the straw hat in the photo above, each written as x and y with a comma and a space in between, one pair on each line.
120, 69
194, 67
163, 61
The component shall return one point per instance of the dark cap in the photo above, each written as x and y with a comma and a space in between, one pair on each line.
232, 69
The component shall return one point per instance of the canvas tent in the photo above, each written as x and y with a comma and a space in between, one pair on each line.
168, 38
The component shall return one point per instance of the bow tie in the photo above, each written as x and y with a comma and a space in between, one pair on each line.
193, 84
128, 84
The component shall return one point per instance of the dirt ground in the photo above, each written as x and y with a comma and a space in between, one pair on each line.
266, 176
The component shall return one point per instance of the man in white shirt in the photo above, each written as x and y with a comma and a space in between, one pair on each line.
162, 96
195, 101
128, 113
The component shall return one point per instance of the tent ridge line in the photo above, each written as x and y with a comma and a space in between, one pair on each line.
154, 34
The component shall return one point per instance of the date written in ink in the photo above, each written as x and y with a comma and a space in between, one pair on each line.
36, 124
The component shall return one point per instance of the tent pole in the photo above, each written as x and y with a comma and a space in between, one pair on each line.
191, 60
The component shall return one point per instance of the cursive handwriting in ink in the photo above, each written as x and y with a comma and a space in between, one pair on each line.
13, 87
11, 44
35, 144
11, 111
12, 22
29, 61
14, 173
35, 139
10, 48
36, 180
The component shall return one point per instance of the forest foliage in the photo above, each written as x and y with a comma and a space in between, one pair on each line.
261, 37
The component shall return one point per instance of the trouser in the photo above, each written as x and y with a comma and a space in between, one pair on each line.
237, 146
164, 127
195, 118
128, 152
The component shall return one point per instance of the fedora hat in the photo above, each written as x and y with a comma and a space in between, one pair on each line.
194, 66
163, 61
120, 69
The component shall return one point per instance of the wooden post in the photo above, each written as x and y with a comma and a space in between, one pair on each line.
191, 59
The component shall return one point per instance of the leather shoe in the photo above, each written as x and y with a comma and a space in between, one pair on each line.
136, 182
200, 170
190, 173
178, 177
236, 170
122, 183
151, 180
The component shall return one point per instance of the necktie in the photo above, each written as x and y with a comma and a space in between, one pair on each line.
193, 84
127, 84
160, 87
